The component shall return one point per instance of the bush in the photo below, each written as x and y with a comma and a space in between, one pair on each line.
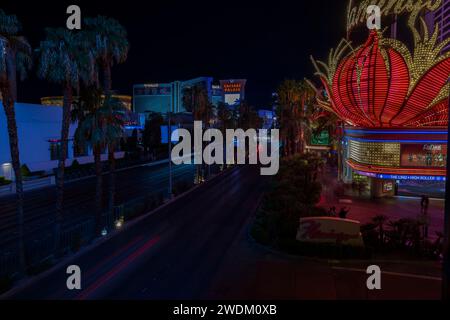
75, 165
4, 182
260, 234
25, 170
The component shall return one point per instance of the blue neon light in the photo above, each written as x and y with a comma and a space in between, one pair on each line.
397, 141
401, 177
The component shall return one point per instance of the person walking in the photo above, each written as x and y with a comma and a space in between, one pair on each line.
343, 213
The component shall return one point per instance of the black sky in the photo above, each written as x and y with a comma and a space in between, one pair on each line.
264, 42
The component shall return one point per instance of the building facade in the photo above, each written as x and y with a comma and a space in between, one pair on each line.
392, 98
58, 100
39, 132
164, 97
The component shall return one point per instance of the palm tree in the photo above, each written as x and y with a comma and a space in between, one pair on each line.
89, 101
247, 117
225, 117
293, 111
15, 57
380, 221
108, 38
196, 101
65, 59
102, 126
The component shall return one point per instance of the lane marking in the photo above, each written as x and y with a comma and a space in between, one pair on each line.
398, 274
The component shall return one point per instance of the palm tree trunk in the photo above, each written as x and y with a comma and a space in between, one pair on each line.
8, 105
98, 189
112, 178
107, 80
12, 73
67, 104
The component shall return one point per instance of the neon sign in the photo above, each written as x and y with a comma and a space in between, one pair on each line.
401, 177
357, 12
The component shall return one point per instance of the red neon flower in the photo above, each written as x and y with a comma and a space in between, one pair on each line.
371, 88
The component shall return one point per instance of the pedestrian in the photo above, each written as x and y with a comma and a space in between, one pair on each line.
422, 203
425, 214
343, 213
332, 211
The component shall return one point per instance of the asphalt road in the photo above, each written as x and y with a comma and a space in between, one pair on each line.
79, 196
198, 248
172, 254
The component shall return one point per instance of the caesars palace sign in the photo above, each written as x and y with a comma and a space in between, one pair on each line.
357, 9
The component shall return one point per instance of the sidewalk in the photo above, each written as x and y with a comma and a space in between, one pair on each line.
364, 209
249, 271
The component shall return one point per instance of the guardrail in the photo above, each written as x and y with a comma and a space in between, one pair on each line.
28, 185
41, 245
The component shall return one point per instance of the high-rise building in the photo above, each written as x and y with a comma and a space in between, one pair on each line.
163, 97
442, 19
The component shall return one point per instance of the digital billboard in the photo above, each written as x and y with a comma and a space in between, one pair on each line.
424, 155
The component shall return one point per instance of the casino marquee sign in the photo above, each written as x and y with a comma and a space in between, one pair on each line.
357, 10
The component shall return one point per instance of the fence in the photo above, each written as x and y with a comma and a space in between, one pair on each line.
40, 246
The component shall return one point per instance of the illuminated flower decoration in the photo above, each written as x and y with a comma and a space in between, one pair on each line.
381, 84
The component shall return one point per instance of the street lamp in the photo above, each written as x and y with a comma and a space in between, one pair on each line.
169, 131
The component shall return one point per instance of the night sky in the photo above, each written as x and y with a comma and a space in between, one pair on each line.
177, 40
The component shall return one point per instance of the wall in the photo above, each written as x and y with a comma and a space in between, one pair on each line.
36, 125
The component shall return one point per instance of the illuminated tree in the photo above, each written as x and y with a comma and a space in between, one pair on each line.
295, 99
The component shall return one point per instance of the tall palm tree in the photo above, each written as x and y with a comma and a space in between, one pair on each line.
248, 117
108, 39
102, 126
225, 117
15, 57
294, 100
196, 101
89, 101
65, 59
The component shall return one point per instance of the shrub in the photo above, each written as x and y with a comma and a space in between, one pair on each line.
260, 234
4, 182
25, 170
75, 165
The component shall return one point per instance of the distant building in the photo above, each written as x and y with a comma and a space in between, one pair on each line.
39, 132
58, 100
442, 19
162, 97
